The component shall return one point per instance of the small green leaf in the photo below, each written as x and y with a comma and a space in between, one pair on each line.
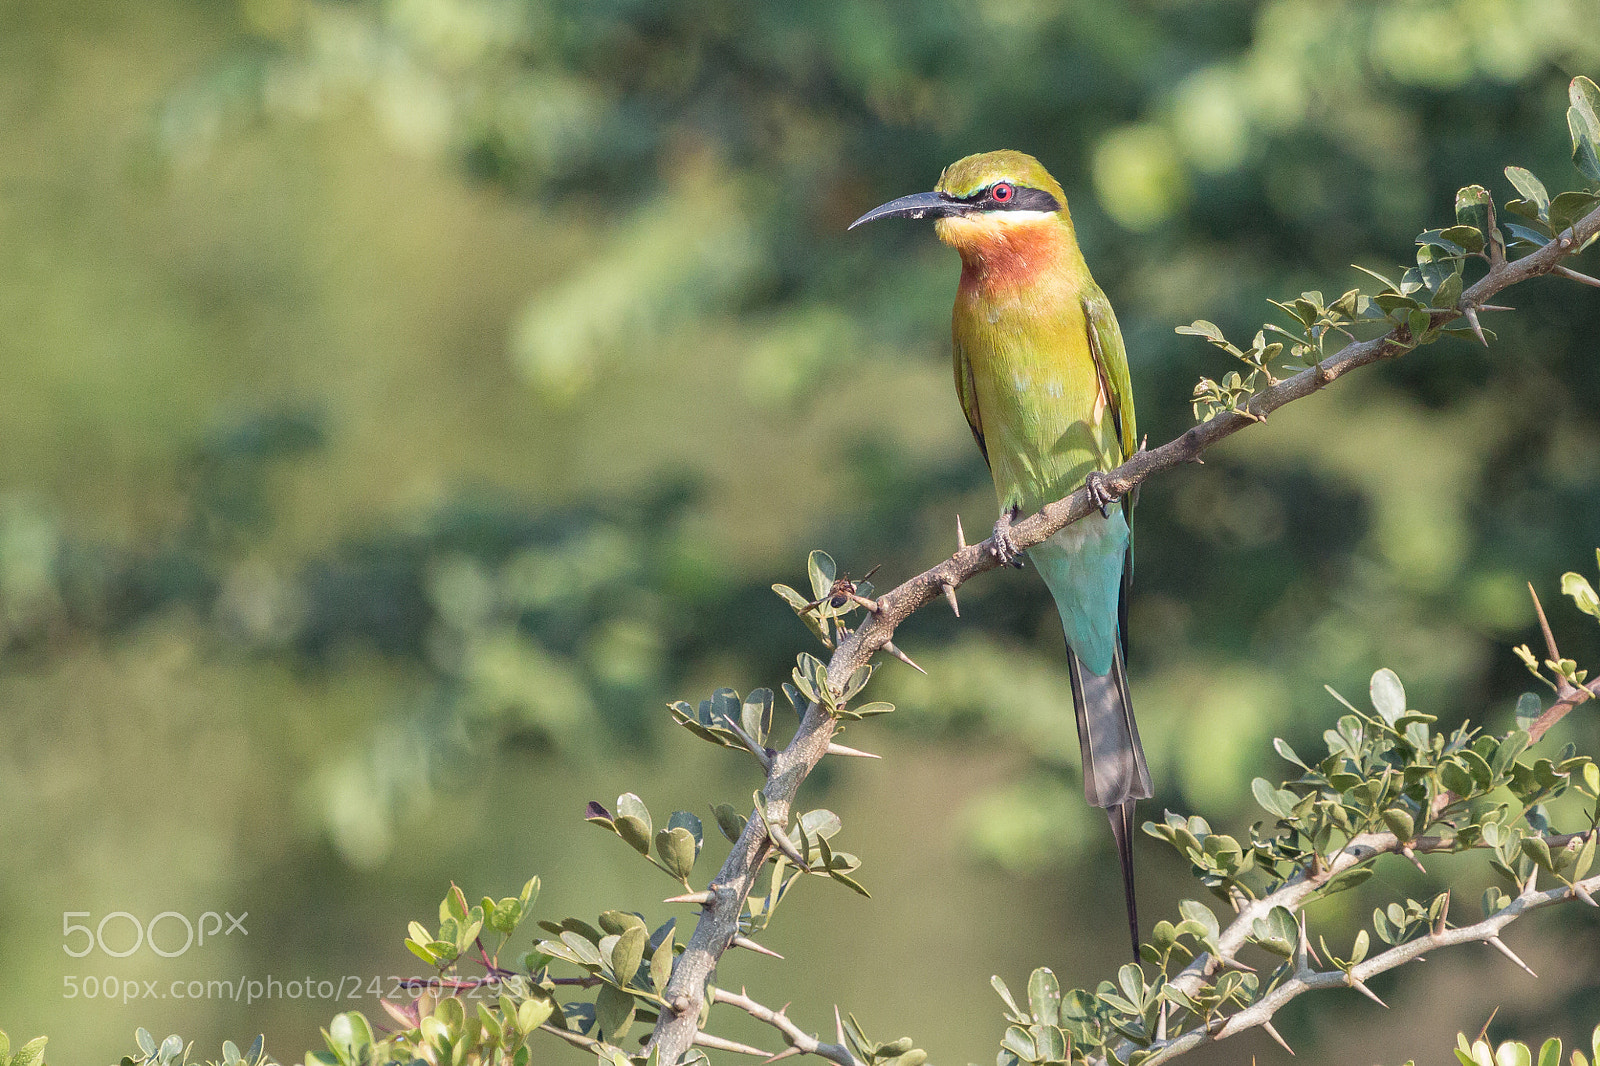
1284, 751
822, 571
1513, 1053
756, 714
1583, 121
1017, 1041
1568, 207
454, 905
1437, 239
32, 1053
613, 1013
1550, 1053
1536, 849
821, 823
1275, 801
1531, 188
1200, 914
1526, 235
631, 806
1277, 932
1201, 328
1448, 293
581, 948
729, 821
676, 847
628, 952
1469, 238
1472, 207
635, 832
1529, 707
1004, 993
1455, 777
1388, 695
1044, 996
1583, 595
1400, 823
534, 1012
661, 964
856, 682
685, 820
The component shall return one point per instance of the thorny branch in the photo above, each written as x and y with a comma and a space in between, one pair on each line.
678, 1027
800, 1041
1305, 979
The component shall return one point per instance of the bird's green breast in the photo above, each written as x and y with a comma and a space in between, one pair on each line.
1044, 412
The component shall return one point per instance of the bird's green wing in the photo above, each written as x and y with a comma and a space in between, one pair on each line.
967, 392
1111, 360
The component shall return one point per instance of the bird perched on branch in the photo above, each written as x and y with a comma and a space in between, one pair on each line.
1043, 379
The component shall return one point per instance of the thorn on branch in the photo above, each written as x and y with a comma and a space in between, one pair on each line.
950, 597
1544, 625
1500, 946
717, 1043
781, 840
874, 607
1477, 327
889, 647
761, 754
1568, 272
704, 899
750, 945
1583, 893
835, 748
961, 536
1276, 1036
785, 1053
575, 1039
1361, 986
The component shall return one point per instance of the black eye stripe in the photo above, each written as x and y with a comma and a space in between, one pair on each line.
1023, 198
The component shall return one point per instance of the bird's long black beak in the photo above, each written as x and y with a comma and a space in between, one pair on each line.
917, 205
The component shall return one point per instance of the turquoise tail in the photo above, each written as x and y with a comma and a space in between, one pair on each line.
1085, 567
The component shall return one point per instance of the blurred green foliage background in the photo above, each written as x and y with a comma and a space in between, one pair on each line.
401, 401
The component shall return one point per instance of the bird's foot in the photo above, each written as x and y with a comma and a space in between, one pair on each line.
1005, 545
1099, 496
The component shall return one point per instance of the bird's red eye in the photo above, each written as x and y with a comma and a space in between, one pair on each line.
1002, 192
